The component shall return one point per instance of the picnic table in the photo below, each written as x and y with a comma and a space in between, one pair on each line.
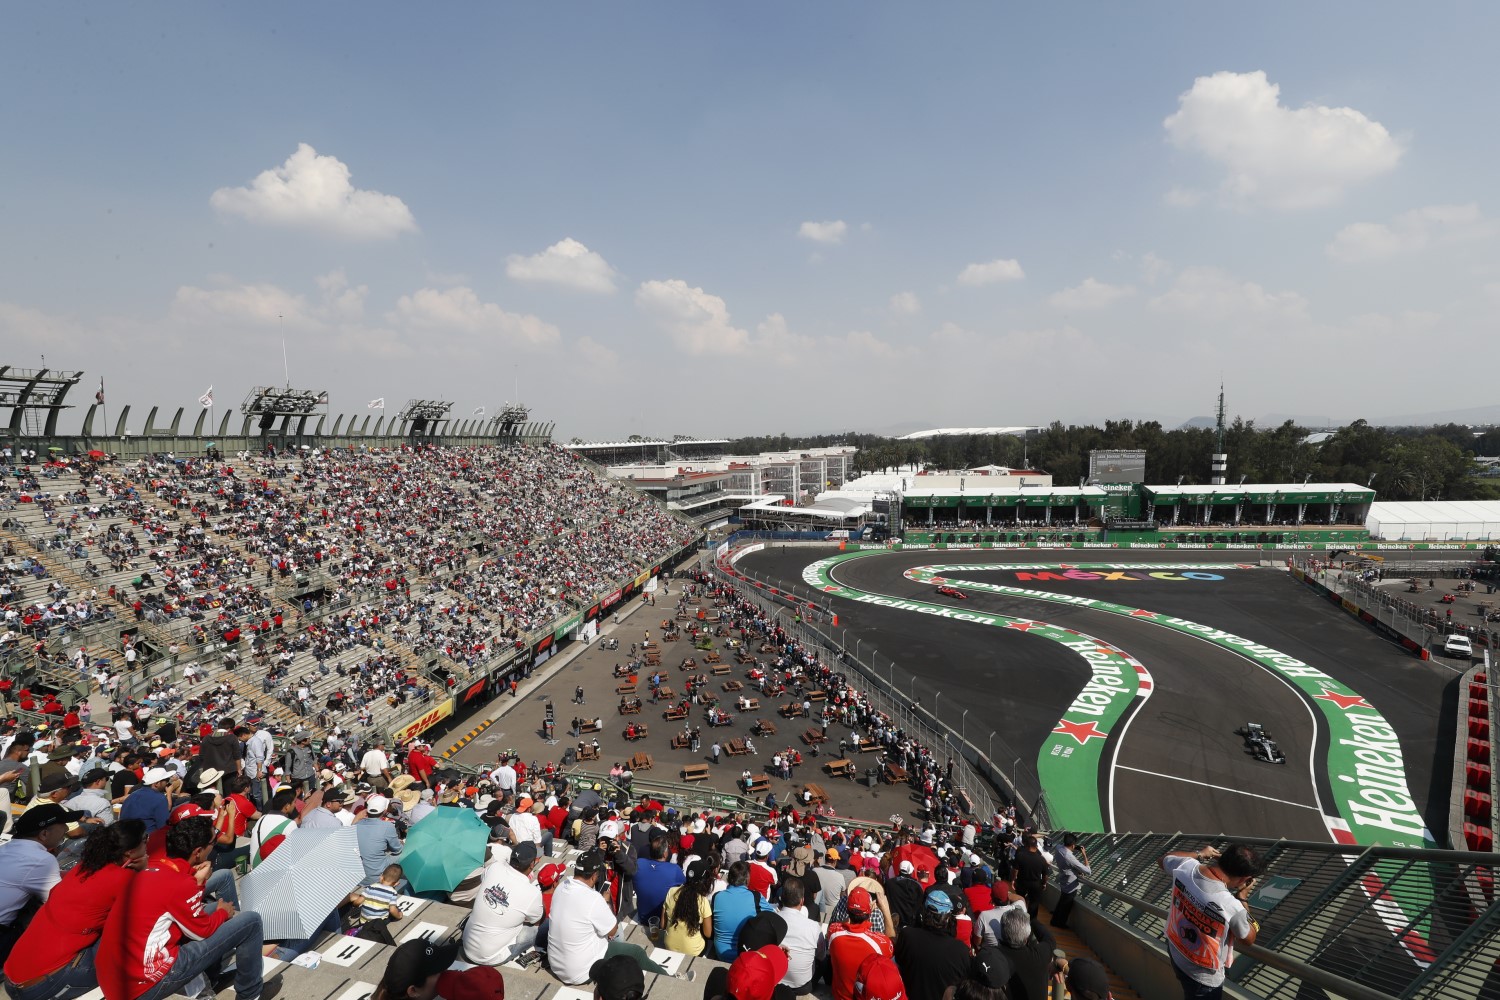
894, 773
627, 688
734, 685
695, 772
681, 741
748, 704
630, 707
743, 657
590, 726
675, 714
841, 768
587, 751
736, 748
665, 693
639, 731
818, 796
814, 736
653, 659
720, 669
757, 785
867, 745
790, 710
642, 762
623, 670
711, 657
816, 696
764, 727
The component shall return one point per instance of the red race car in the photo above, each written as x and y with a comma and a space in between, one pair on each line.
950, 591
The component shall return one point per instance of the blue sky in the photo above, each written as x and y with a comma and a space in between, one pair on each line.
724, 219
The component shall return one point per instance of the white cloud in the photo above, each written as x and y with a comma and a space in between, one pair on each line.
905, 304
594, 354
988, 274
1209, 295
1409, 233
697, 321
1154, 268
309, 191
459, 310
346, 302
1181, 197
267, 306
1283, 157
568, 263
823, 232
1090, 294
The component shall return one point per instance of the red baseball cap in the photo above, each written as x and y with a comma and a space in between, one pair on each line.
755, 974
482, 982
879, 979
548, 876
859, 899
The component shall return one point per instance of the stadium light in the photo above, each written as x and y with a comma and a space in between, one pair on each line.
424, 413
270, 403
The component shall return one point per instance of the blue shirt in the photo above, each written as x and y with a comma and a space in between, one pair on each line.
378, 846
652, 881
147, 805
732, 907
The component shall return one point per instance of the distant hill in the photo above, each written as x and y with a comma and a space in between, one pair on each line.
1485, 415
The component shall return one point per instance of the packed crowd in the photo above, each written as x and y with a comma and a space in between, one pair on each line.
787, 903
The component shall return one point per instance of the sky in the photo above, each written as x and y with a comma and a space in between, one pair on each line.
721, 219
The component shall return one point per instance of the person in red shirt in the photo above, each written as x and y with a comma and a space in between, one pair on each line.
420, 764
56, 954
162, 935
851, 943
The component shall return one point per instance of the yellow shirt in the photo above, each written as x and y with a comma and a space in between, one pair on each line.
680, 937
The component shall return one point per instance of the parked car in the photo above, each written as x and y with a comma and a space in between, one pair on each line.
1458, 645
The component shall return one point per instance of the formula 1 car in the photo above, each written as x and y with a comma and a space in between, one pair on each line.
1258, 744
948, 590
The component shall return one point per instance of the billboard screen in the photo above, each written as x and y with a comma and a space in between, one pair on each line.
1117, 466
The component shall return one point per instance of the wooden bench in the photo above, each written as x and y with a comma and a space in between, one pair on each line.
790, 710
842, 768
764, 727
588, 752
743, 657
711, 657
720, 670
734, 685
621, 671
641, 762
675, 714
665, 693
641, 732
819, 797
813, 737
695, 772
630, 708
895, 773
736, 748
867, 745
750, 705
681, 741
627, 688
816, 696
590, 726
653, 659
682, 615
758, 785
689, 664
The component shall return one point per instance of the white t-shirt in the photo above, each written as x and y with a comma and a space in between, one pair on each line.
506, 902
525, 826
801, 944
373, 762
124, 729
580, 920
1203, 917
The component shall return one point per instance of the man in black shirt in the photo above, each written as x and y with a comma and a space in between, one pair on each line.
1028, 946
1031, 874
930, 958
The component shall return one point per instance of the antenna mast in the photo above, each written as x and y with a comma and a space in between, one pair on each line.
1220, 459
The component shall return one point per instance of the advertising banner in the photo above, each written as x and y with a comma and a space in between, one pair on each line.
440, 712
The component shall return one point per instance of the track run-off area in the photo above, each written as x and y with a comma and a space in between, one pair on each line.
1146, 696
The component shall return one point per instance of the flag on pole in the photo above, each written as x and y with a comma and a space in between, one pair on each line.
376, 404
207, 399
99, 396
478, 411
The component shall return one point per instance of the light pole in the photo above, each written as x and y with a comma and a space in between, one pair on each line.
1013, 784
963, 726
991, 754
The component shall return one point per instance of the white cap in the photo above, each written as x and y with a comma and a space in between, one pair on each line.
155, 774
907, 868
376, 804
752, 831
699, 826
763, 848
610, 828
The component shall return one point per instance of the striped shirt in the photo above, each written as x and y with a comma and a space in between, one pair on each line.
379, 898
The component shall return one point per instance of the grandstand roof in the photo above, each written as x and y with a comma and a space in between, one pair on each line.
944, 431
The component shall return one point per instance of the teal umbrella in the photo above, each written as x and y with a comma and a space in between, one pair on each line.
443, 847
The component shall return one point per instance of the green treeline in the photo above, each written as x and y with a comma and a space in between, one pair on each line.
1422, 463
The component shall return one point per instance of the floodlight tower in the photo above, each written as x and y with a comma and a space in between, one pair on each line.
1220, 459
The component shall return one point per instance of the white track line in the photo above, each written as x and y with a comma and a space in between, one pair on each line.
1221, 788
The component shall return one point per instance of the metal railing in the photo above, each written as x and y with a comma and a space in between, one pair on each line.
1389, 604
1359, 922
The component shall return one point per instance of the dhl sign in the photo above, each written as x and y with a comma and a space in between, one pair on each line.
426, 722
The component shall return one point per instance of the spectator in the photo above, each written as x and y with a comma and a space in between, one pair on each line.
507, 910
732, 906
378, 842
1087, 980
93, 797
1027, 947
259, 758
326, 815
617, 978
687, 917
221, 751
904, 893
377, 906
1208, 916
930, 958
803, 941
1031, 873
987, 926
299, 763
1071, 861
28, 868
582, 926
850, 943
654, 878
413, 970
57, 954
757, 975
279, 821
161, 937
148, 802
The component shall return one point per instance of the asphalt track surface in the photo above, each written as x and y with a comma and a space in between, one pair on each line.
1178, 765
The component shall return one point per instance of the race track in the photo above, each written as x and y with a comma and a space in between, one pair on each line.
1171, 760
